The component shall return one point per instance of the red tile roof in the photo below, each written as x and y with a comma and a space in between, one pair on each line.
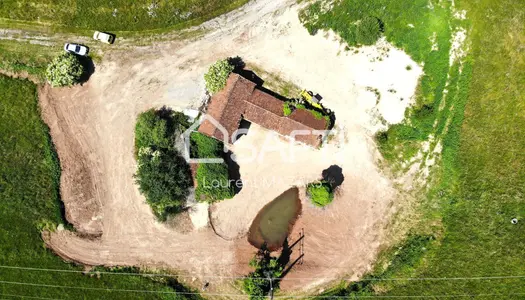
241, 99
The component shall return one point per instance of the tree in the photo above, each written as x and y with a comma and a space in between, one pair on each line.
368, 30
64, 70
320, 193
267, 268
151, 131
164, 178
217, 75
163, 175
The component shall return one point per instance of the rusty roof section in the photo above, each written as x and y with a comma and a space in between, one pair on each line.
241, 99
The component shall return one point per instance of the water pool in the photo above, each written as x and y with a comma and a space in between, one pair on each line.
274, 222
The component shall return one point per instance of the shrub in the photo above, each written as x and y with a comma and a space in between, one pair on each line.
257, 284
317, 114
212, 179
64, 70
203, 146
368, 30
287, 110
217, 75
213, 183
320, 193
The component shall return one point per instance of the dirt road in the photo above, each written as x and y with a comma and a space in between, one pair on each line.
92, 127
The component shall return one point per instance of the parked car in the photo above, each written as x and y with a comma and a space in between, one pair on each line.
104, 37
76, 49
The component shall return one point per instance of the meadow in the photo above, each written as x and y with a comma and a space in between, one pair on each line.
116, 15
30, 202
63, 20
475, 108
19, 57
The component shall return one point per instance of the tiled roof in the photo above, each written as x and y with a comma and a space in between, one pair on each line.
241, 99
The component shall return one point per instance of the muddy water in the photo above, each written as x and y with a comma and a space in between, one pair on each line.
275, 220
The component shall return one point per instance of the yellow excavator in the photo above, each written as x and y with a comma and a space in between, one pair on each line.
313, 100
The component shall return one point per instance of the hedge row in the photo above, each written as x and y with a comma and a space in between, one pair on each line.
213, 182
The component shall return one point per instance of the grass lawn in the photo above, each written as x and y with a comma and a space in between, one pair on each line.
484, 174
465, 228
141, 22
29, 201
25, 57
116, 15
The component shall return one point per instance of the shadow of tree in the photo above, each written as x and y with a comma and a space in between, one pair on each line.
334, 176
234, 172
89, 68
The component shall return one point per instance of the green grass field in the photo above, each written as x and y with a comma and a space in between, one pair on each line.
465, 228
116, 15
141, 21
29, 202
25, 57
483, 175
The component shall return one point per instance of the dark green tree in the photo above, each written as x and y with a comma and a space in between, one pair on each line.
163, 175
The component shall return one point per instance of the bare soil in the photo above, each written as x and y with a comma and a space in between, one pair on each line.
92, 128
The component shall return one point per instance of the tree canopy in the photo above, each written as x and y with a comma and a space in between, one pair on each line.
257, 283
65, 70
163, 175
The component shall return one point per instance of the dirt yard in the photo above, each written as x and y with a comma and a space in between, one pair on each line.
92, 128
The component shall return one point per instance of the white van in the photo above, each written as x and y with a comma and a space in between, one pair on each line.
104, 37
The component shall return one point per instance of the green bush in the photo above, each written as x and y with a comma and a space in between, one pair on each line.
287, 110
163, 175
317, 114
368, 31
320, 193
213, 183
151, 131
203, 146
217, 75
212, 179
257, 284
64, 70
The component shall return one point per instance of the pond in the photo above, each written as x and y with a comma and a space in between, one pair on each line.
275, 220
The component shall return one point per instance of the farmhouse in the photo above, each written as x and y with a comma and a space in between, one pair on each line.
242, 100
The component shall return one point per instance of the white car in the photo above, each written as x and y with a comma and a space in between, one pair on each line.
104, 37
76, 49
